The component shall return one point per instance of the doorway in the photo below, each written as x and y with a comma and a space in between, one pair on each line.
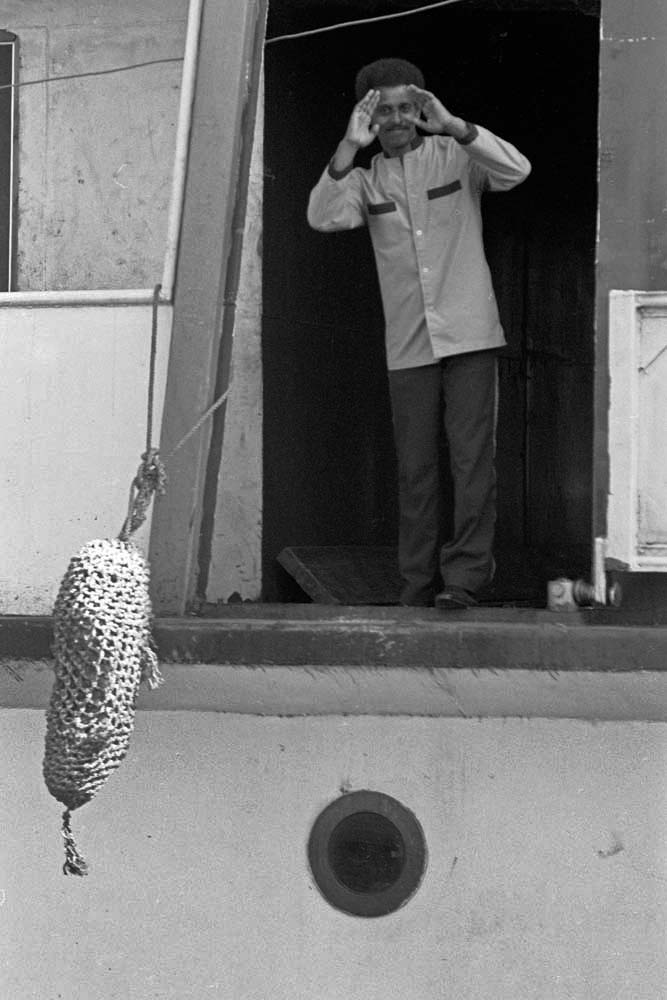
531, 76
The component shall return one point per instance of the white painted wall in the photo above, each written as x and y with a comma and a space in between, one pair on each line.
547, 874
73, 404
94, 172
95, 155
95, 169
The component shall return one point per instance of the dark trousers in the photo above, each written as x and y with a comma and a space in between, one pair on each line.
457, 396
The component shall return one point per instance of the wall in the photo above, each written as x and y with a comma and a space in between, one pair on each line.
95, 170
73, 397
546, 872
633, 176
95, 155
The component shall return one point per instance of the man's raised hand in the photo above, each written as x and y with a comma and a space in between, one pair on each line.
360, 132
434, 116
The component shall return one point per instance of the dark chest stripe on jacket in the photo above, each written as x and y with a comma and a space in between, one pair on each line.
383, 207
445, 189
380, 207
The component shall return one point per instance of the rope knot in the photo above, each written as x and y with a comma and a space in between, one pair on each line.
150, 478
151, 474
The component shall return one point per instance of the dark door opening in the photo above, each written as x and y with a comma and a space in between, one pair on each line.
530, 76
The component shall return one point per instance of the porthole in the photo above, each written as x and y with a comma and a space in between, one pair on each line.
367, 853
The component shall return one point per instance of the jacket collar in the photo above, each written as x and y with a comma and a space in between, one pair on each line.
415, 144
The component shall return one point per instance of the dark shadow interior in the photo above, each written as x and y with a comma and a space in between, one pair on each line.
329, 472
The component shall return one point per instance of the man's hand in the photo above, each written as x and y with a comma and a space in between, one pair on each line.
360, 132
434, 116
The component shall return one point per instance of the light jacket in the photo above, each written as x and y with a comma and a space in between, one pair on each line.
424, 216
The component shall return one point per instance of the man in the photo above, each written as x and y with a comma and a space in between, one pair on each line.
420, 199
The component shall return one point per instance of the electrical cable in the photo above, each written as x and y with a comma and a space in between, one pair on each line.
268, 41
92, 72
364, 20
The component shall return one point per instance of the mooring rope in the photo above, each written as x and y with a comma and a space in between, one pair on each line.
151, 477
151, 367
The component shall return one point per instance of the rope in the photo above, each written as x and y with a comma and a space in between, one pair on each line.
151, 476
75, 863
151, 369
363, 20
267, 41
204, 417
91, 72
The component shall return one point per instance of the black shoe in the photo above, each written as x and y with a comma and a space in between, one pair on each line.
455, 598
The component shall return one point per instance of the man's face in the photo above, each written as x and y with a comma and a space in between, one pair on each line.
394, 113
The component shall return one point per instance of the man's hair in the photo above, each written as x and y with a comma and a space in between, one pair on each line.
387, 73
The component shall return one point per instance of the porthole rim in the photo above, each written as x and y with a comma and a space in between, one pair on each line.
385, 901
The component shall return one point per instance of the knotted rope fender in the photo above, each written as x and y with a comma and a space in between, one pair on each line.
103, 650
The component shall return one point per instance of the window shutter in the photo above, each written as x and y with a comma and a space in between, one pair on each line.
637, 500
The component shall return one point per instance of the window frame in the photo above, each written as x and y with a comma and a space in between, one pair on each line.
9, 195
